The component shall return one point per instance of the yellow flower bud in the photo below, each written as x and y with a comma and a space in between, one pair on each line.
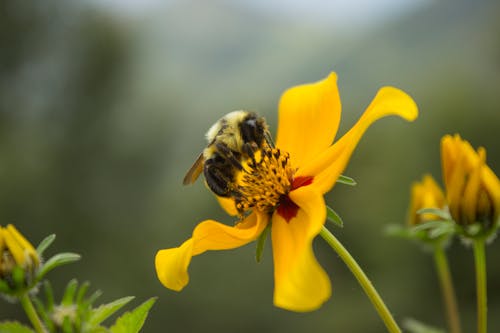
16, 252
425, 194
473, 190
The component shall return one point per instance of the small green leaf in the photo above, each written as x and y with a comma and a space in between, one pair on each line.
346, 180
332, 216
69, 293
442, 213
49, 295
45, 243
81, 292
259, 251
14, 327
104, 311
55, 261
18, 276
4, 287
396, 230
434, 225
131, 322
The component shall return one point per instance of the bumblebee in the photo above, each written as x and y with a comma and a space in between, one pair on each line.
231, 140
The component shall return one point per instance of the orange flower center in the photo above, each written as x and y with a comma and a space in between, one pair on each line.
265, 182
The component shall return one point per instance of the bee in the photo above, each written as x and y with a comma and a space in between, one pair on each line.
232, 139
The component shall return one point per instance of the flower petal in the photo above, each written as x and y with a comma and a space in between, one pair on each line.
172, 264
327, 167
309, 117
301, 284
228, 205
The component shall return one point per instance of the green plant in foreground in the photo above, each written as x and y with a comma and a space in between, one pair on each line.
21, 272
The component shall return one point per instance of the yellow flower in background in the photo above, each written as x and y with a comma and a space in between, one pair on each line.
306, 165
472, 189
425, 194
16, 251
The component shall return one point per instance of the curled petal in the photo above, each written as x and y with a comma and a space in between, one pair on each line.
228, 205
172, 264
301, 284
327, 167
309, 117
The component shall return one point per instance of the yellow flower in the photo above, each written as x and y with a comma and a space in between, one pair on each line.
473, 190
425, 194
16, 251
309, 116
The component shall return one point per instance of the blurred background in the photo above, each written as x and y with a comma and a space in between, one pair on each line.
104, 105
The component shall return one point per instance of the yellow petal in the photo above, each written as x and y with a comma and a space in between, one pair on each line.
301, 284
20, 248
172, 264
491, 184
228, 205
327, 167
425, 194
309, 117
471, 191
2, 238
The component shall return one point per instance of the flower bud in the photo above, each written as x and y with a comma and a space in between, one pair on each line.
19, 260
425, 194
473, 190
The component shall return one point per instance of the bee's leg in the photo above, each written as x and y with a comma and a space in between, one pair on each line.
249, 148
269, 139
218, 175
230, 155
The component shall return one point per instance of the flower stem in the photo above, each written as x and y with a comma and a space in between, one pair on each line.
447, 289
31, 313
363, 280
480, 259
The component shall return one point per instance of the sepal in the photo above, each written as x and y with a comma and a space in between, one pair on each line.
333, 217
346, 180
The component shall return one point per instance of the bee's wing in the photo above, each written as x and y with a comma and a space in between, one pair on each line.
194, 171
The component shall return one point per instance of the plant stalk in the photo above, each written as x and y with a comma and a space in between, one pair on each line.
480, 263
31, 313
363, 280
450, 301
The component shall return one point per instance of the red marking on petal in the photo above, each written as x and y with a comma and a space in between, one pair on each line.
301, 181
287, 209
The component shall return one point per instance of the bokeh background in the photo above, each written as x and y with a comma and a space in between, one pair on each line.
104, 105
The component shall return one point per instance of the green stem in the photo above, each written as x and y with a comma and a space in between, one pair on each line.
363, 280
447, 289
480, 259
31, 313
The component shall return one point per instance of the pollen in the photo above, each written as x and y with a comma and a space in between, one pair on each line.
265, 180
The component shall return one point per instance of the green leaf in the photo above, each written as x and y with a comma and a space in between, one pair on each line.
49, 295
55, 261
442, 213
104, 311
259, 251
45, 243
346, 180
131, 322
14, 327
415, 326
333, 217
69, 293
81, 292
4, 287
396, 230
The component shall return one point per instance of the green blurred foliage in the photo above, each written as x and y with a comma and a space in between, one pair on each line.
101, 115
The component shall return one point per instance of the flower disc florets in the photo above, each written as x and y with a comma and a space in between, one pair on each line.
265, 180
